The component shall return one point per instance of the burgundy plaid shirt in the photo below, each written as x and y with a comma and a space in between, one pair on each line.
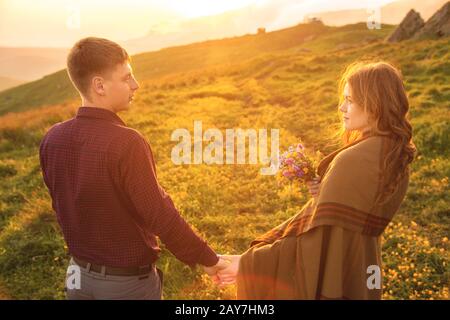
101, 176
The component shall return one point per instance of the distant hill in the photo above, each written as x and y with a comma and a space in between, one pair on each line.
31, 63
6, 83
272, 14
56, 87
308, 38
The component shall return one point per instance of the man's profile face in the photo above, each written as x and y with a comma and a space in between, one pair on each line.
120, 86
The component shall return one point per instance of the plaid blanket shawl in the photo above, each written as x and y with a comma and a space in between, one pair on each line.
341, 226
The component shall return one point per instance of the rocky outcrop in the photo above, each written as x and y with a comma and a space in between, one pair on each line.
414, 27
411, 24
438, 25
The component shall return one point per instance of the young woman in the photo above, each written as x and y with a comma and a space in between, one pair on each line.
331, 248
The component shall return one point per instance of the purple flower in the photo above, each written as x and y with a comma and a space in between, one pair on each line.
287, 174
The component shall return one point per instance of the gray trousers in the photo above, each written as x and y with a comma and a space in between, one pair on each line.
82, 284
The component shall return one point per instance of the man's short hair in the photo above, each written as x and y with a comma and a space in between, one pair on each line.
91, 56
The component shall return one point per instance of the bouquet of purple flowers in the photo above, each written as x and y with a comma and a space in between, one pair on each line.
296, 165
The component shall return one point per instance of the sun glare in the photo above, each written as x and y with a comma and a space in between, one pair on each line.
201, 8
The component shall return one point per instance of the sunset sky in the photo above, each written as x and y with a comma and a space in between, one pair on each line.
58, 23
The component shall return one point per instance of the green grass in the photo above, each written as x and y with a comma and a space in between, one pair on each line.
282, 87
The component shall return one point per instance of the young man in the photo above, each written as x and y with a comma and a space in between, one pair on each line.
101, 176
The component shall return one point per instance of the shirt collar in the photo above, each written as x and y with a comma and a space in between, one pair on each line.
99, 113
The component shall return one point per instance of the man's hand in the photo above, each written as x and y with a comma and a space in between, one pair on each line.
229, 274
212, 271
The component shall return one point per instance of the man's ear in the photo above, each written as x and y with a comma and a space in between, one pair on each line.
98, 85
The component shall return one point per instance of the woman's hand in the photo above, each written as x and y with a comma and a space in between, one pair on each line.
213, 270
314, 187
229, 274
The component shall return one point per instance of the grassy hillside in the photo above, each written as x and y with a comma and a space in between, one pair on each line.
56, 88
293, 88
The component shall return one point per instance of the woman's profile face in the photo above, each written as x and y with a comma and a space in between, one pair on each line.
354, 116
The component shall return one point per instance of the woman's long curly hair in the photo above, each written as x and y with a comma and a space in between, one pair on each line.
378, 88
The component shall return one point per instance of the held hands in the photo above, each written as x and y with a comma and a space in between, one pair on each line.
314, 187
225, 271
212, 271
228, 275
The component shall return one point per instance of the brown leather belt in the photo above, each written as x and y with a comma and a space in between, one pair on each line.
115, 271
